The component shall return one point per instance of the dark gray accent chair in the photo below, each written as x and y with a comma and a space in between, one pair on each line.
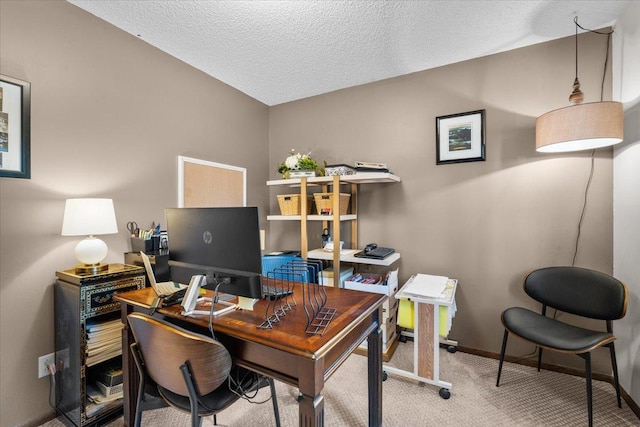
574, 290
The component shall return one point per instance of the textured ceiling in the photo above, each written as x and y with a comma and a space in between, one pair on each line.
280, 51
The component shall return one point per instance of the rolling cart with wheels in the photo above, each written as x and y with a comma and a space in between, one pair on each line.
428, 326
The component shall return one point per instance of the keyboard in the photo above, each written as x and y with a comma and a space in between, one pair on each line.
377, 253
169, 288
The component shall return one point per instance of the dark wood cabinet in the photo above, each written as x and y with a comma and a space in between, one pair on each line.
86, 339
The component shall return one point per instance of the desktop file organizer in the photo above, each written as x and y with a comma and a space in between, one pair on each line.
281, 273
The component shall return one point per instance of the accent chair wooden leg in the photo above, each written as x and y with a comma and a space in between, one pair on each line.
539, 358
616, 380
504, 347
587, 363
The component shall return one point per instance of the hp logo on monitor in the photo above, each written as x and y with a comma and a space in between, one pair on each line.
207, 237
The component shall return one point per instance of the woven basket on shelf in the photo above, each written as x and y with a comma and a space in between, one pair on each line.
290, 204
324, 203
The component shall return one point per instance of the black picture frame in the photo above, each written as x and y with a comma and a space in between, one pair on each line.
460, 138
15, 128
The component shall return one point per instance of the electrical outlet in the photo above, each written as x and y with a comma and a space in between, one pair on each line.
62, 361
43, 364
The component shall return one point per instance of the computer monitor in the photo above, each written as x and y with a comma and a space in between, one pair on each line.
221, 243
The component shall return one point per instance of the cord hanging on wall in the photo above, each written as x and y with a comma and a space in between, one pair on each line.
580, 126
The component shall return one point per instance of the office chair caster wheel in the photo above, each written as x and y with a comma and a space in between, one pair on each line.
384, 376
299, 398
444, 393
403, 338
452, 349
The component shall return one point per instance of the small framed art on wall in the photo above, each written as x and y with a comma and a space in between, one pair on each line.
460, 137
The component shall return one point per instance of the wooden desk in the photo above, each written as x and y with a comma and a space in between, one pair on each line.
285, 352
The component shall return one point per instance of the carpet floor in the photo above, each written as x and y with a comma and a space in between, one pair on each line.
525, 398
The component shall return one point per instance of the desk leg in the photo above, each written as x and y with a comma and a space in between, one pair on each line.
130, 377
374, 356
311, 405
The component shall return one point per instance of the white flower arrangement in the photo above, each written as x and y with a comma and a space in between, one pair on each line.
299, 162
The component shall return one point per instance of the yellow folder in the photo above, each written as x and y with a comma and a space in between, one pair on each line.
406, 316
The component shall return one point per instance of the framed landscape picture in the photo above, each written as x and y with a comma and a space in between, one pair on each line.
15, 127
460, 137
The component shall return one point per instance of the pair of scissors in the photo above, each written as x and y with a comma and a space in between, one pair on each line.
132, 226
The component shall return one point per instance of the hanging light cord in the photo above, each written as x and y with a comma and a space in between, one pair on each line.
606, 61
606, 58
604, 74
584, 208
576, 39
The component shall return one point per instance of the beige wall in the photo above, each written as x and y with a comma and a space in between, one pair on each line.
484, 223
110, 115
626, 230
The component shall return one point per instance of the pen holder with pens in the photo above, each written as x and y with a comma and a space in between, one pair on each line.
145, 245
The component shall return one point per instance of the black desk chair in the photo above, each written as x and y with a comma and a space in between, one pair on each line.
574, 290
192, 371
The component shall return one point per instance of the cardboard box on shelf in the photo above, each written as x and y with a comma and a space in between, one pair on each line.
389, 289
389, 307
388, 328
379, 286
326, 275
387, 340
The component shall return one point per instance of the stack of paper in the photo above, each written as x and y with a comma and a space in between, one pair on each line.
104, 341
97, 402
426, 286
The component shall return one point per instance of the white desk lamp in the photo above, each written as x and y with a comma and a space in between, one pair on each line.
89, 217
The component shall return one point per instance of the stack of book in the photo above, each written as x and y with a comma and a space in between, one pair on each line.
104, 341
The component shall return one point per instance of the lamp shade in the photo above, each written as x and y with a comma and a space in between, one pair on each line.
580, 127
88, 217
